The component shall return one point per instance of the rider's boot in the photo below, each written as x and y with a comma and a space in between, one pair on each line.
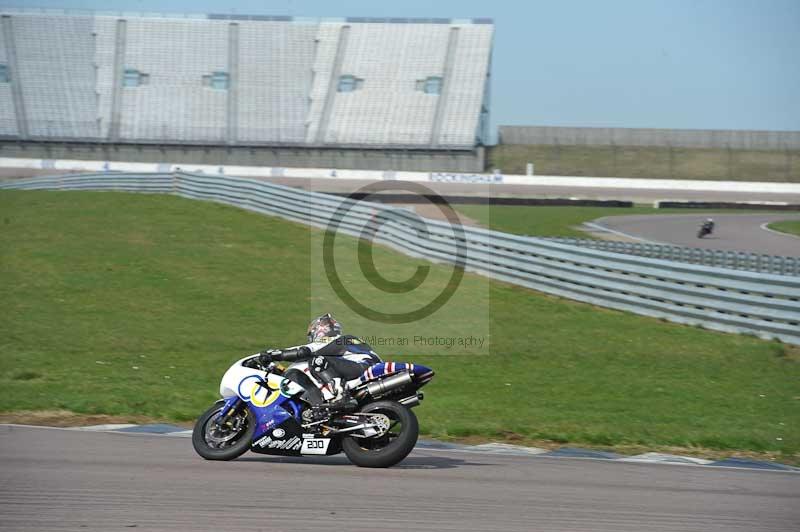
342, 403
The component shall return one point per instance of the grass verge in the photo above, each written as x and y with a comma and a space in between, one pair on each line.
134, 305
791, 227
650, 162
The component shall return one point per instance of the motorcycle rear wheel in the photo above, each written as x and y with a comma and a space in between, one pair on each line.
227, 442
391, 448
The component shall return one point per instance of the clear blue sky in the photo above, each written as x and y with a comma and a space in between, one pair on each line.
704, 64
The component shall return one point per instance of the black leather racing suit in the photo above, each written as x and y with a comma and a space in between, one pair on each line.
345, 357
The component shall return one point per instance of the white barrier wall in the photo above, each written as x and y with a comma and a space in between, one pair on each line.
372, 175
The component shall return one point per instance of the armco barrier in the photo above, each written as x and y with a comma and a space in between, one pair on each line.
737, 260
761, 304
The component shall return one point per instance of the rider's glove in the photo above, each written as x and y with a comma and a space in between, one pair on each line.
271, 355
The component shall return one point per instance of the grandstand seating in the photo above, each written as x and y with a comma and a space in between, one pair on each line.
54, 66
279, 56
388, 108
104, 53
471, 63
173, 103
327, 42
8, 117
244, 80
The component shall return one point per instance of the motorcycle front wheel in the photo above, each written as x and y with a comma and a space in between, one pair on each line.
224, 441
390, 448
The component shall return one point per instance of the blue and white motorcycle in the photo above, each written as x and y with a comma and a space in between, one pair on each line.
264, 412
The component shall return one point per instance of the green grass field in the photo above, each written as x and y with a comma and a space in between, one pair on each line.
648, 162
789, 226
135, 304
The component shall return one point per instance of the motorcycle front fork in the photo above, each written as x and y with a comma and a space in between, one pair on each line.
232, 405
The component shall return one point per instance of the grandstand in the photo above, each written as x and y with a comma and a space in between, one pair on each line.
397, 94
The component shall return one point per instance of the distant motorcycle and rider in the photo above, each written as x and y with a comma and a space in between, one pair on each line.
706, 228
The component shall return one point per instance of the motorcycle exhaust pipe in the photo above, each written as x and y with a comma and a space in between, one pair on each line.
382, 387
412, 401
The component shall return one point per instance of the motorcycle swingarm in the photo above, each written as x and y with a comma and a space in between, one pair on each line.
371, 429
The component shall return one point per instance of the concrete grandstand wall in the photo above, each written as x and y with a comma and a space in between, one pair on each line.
683, 138
419, 160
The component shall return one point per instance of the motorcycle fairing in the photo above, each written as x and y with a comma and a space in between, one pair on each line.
269, 417
286, 437
282, 438
245, 382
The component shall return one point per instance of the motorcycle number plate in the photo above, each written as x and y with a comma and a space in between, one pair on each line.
315, 446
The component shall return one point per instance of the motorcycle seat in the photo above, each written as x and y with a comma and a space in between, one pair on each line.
347, 369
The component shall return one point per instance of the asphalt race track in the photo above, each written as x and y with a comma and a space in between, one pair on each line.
55, 479
743, 232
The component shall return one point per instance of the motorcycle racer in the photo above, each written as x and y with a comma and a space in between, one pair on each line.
706, 228
333, 358
263, 411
